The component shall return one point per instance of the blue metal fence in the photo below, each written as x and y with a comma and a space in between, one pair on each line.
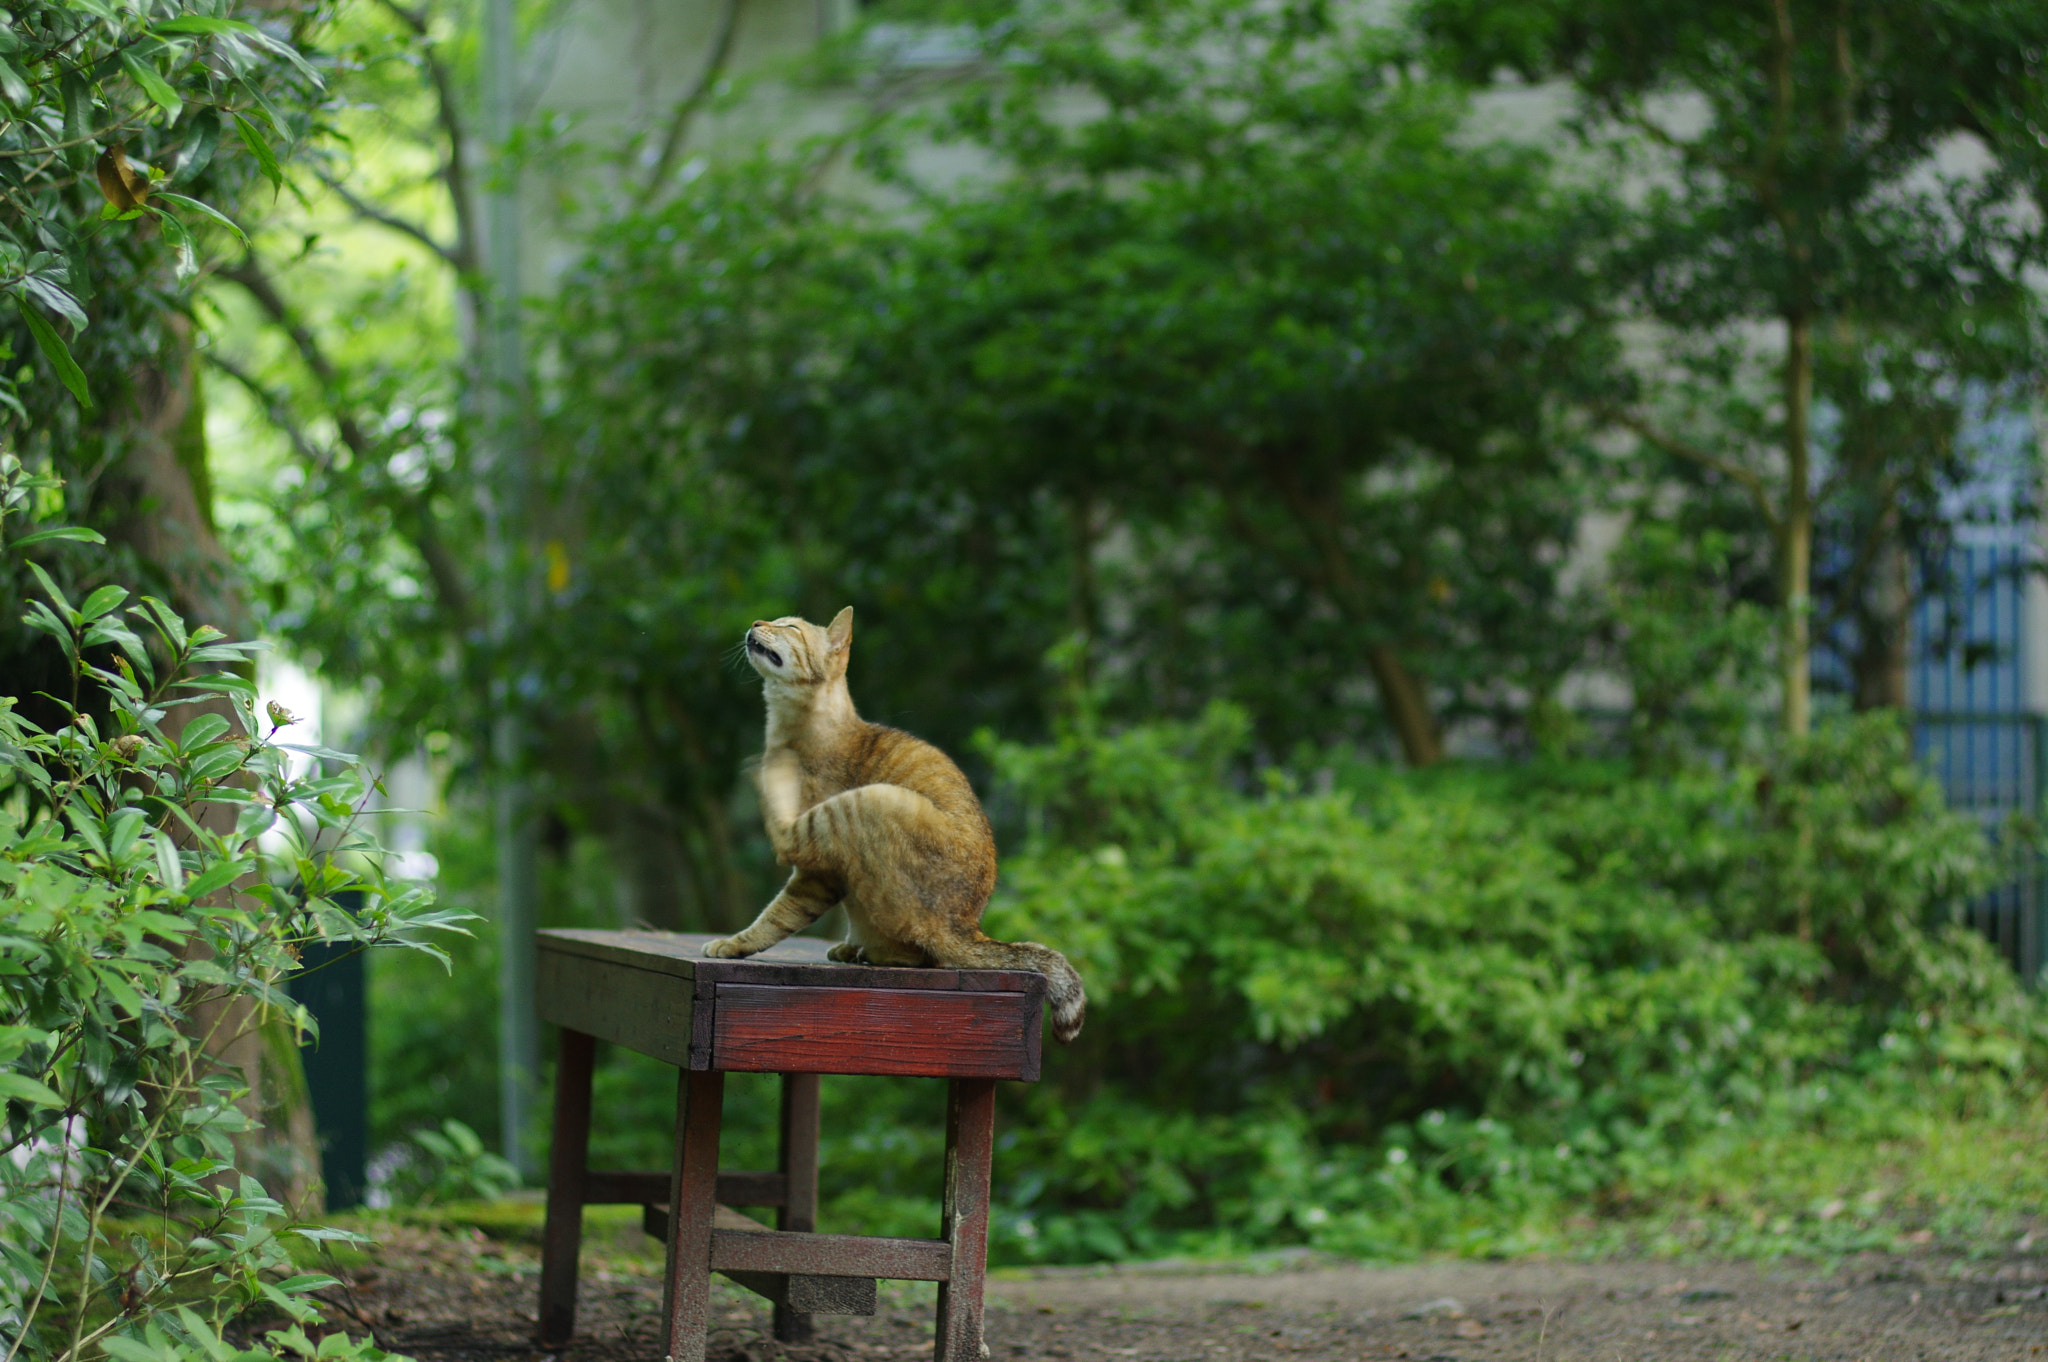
1972, 724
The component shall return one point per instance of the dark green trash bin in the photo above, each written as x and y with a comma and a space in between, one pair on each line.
331, 986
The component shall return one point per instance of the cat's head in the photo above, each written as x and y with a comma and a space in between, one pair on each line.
799, 653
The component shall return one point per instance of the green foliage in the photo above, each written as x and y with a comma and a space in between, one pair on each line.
451, 1164
101, 262
153, 85
161, 864
1419, 1011
1691, 650
1815, 191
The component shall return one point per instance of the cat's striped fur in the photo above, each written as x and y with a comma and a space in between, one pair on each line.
876, 820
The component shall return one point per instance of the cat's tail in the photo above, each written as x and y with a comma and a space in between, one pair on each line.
1063, 983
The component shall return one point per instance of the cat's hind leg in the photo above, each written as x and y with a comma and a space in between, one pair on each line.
866, 946
806, 898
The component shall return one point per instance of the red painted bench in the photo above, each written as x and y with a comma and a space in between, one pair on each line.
791, 1012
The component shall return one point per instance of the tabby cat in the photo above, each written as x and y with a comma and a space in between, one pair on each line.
877, 820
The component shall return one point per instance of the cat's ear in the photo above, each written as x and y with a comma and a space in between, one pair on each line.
840, 632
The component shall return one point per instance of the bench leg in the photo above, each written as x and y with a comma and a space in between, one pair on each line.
692, 1200
568, 1157
800, 1170
970, 1157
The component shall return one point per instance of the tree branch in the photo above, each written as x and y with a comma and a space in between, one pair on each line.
371, 213
455, 171
449, 587
1749, 479
687, 108
273, 408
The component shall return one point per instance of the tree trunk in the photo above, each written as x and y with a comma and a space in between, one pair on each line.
1795, 535
1081, 611
1406, 701
1885, 625
1407, 707
165, 514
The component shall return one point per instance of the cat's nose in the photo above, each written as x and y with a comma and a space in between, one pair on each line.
759, 624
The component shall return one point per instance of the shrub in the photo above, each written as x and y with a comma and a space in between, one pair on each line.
161, 865
1420, 1007
450, 1164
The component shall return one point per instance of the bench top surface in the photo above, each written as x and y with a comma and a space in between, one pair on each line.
796, 962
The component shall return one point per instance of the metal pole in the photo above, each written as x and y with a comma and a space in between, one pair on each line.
502, 373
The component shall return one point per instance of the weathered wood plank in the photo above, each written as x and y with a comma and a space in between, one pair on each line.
686, 1273
811, 1294
970, 1157
703, 1024
800, 1293
798, 1157
799, 960
640, 1009
831, 1255
568, 1189
876, 1031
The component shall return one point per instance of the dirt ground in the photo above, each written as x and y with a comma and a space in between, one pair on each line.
449, 1298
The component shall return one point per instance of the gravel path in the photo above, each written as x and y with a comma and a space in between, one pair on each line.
445, 1298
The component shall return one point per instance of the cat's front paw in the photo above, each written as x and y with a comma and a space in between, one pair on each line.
725, 948
845, 953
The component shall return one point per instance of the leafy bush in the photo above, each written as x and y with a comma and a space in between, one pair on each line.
161, 865
451, 1164
1452, 1010
1418, 1010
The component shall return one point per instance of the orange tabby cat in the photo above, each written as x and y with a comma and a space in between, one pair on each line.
877, 820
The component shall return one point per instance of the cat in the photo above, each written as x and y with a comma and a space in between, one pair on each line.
877, 821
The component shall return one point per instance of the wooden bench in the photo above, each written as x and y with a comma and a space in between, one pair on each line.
791, 1012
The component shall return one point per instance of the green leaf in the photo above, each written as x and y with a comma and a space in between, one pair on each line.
202, 731
214, 213
153, 85
187, 260
62, 601
71, 532
260, 149
279, 47
13, 88
21, 1088
167, 622
103, 600
307, 1281
195, 153
203, 24
218, 875
57, 298
56, 351
76, 92
128, 1350
321, 1234
169, 868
